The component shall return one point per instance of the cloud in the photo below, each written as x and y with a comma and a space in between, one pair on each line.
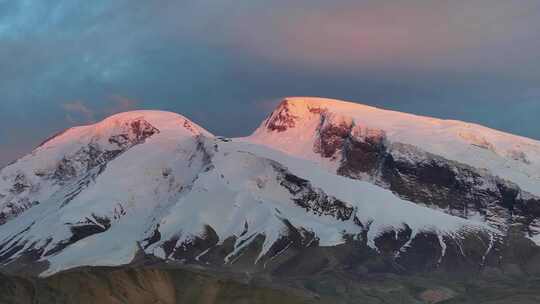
408, 35
267, 105
120, 104
78, 112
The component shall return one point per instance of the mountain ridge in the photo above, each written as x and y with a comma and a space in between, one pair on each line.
338, 185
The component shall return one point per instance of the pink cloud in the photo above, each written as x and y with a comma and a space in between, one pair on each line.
120, 104
371, 34
78, 112
267, 105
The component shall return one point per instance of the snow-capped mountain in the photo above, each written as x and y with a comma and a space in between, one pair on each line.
322, 183
460, 168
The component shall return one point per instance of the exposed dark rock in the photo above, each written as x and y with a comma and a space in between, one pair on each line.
390, 242
89, 226
20, 184
154, 238
135, 132
119, 212
216, 255
82, 161
132, 133
3, 246
14, 208
206, 153
296, 239
363, 150
422, 177
189, 126
246, 258
190, 249
11, 250
423, 252
456, 188
332, 134
281, 119
170, 245
313, 199
16, 200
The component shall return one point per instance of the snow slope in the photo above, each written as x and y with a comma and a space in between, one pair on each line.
67, 156
134, 184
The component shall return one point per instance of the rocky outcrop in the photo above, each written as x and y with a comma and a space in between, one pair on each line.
332, 133
362, 150
129, 134
84, 228
281, 119
132, 133
365, 153
312, 199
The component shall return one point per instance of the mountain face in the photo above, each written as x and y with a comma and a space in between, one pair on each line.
461, 169
321, 185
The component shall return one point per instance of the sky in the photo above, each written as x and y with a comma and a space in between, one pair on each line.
226, 63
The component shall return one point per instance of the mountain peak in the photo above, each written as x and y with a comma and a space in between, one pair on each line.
320, 102
136, 121
79, 151
300, 125
153, 116
292, 109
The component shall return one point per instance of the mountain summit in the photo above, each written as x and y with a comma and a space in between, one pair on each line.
321, 184
298, 121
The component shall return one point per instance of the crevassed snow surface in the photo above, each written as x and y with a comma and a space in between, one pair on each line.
508, 156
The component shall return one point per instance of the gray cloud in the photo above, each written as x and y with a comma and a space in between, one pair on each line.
224, 63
